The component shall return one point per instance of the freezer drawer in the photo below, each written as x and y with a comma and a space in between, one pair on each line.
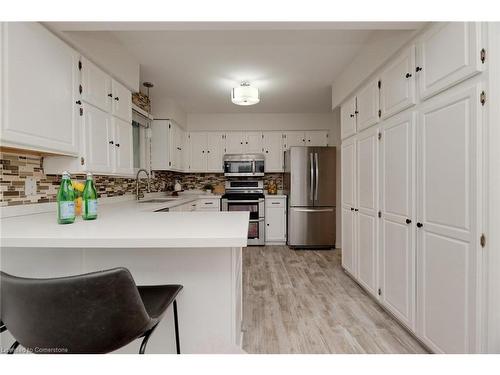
312, 227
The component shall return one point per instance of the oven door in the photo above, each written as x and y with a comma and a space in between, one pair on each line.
254, 206
256, 232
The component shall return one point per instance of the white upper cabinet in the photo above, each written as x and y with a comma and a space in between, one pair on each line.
234, 143
197, 152
316, 138
397, 91
397, 250
367, 106
122, 101
253, 142
98, 140
160, 150
447, 251
447, 54
124, 163
215, 151
294, 138
95, 86
272, 147
39, 90
348, 118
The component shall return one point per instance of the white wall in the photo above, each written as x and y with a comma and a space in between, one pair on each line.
166, 108
259, 121
366, 62
107, 52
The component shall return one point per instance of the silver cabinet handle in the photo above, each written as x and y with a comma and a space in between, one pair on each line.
316, 167
311, 184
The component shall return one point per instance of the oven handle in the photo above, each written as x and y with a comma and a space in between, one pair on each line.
261, 200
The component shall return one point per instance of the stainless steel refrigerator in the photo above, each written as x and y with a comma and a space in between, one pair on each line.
309, 182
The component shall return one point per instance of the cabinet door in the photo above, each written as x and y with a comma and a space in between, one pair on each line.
39, 90
122, 101
275, 224
367, 211
397, 251
272, 147
294, 138
447, 251
198, 151
234, 143
397, 91
96, 86
367, 106
123, 146
98, 140
348, 241
348, 192
215, 146
448, 53
253, 142
160, 145
317, 138
348, 118
176, 144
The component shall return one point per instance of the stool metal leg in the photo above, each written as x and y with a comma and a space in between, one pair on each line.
146, 339
13, 348
176, 322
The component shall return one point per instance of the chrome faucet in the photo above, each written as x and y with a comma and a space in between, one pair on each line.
137, 182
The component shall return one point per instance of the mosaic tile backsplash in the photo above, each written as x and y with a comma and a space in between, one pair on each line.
16, 167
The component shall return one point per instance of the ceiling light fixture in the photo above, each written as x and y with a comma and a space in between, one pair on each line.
245, 94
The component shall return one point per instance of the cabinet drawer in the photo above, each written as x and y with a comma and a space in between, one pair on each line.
208, 204
275, 202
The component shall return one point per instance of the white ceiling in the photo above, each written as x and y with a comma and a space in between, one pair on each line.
197, 64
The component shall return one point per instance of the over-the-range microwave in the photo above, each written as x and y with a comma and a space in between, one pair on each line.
243, 165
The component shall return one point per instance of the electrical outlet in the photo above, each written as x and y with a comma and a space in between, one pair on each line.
30, 186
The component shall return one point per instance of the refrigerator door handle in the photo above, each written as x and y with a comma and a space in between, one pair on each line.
316, 167
311, 184
312, 209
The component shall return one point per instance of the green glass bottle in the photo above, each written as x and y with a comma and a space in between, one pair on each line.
65, 201
89, 198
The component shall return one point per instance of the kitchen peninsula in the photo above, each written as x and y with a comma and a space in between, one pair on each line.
200, 250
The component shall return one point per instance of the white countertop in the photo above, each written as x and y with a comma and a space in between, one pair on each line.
129, 224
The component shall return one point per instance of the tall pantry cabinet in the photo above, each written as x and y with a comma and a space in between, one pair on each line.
411, 187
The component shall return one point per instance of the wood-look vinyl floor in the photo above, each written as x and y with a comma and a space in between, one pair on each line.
303, 302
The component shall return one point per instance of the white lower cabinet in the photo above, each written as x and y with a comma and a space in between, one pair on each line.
348, 192
275, 220
208, 204
447, 241
414, 244
397, 224
366, 211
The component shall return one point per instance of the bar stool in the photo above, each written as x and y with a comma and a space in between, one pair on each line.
97, 312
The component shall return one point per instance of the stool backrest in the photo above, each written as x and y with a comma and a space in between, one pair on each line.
92, 313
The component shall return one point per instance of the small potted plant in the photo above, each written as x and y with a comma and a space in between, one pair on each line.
209, 188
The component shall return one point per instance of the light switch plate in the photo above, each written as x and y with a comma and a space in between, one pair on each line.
30, 186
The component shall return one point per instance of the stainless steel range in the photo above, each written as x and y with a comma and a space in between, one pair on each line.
247, 195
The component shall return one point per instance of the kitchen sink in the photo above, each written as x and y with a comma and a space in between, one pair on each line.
158, 200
